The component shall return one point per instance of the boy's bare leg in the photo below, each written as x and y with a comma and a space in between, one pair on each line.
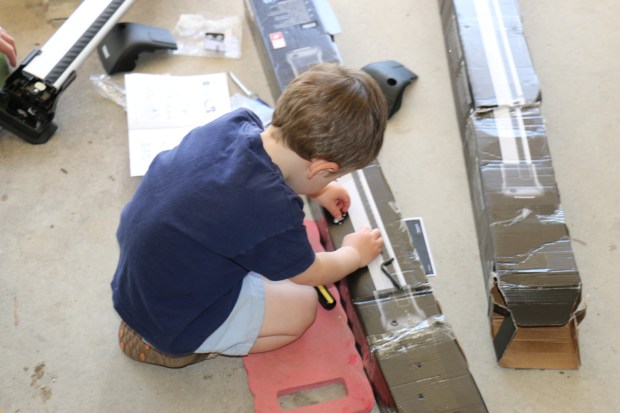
289, 310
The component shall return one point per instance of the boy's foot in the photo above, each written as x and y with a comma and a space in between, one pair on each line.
133, 346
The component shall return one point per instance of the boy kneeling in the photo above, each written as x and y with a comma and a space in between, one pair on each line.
214, 256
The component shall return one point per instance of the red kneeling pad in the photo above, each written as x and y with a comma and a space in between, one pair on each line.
325, 355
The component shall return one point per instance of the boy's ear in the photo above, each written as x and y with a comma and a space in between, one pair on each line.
318, 165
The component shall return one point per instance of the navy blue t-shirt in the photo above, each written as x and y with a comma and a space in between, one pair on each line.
205, 214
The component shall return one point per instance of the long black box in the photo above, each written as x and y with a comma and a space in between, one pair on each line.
534, 287
408, 349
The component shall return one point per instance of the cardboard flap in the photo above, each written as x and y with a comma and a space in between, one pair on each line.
503, 335
544, 306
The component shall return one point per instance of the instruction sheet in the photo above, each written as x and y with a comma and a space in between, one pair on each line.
162, 109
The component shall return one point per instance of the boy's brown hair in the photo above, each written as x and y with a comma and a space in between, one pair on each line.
333, 113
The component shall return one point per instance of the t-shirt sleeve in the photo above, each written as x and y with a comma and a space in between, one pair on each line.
280, 257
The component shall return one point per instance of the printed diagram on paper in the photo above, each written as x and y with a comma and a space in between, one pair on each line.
162, 109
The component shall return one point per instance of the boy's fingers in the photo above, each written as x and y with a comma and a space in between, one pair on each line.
7, 46
335, 212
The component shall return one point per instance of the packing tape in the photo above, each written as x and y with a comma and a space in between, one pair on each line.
519, 175
427, 333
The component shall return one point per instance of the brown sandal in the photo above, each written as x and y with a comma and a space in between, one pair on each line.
134, 347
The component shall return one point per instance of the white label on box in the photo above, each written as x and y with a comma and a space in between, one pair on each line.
422, 249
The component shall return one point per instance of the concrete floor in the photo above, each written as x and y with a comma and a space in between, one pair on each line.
60, 203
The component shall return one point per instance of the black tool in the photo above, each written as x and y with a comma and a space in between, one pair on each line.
392, 77
120, 48
326, 299
389, 275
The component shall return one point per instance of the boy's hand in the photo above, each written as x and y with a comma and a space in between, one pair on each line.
366, 242
335, 199
7, 47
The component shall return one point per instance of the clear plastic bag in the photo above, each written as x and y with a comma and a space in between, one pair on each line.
210, 36
109, 89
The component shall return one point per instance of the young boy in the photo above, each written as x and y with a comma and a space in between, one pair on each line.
214, 256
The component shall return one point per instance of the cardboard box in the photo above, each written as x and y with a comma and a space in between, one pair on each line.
410, 352
534, 287
529, 267
488, 56
291, 38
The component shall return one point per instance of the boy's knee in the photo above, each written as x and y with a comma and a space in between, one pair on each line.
308, 300
291, 306
312, 303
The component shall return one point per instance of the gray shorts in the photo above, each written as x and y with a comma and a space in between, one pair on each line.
240, 330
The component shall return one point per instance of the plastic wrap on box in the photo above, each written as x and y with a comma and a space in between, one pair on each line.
409, 351
524, 241
530, 271
507, 135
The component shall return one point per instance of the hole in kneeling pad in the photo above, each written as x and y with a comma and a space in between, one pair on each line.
311, 394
